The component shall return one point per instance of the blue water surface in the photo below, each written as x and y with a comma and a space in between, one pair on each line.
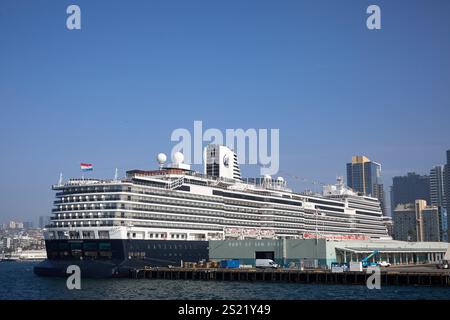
17, 281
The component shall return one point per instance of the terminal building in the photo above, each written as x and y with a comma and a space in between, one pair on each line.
323, 252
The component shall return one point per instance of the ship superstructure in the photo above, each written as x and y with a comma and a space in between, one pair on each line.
167, 215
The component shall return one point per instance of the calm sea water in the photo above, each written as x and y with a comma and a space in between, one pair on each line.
17, 281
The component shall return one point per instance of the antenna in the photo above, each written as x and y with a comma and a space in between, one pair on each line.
116, 174
60, 179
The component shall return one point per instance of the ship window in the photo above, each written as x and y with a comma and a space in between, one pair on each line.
88, 235
105, 246
92, 246
103, 234
74, 235
63, 246
105, 254
91, 254
76, 253
75, 246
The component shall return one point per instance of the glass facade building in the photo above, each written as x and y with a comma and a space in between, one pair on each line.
364, 176
409, 188
447, 186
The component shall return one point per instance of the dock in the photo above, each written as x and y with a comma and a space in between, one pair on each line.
394, 277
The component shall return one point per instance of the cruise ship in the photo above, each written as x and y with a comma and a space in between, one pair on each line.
166, 216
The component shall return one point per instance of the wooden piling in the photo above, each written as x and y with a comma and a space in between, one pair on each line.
292, 275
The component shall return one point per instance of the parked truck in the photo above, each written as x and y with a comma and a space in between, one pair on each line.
266, 263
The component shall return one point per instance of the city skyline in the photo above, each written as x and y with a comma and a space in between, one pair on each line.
111, 93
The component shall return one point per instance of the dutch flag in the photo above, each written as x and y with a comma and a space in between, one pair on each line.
86, 167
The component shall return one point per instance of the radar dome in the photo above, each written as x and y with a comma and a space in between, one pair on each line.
177, 158
161, 158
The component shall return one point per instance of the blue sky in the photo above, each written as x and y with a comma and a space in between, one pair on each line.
112, 93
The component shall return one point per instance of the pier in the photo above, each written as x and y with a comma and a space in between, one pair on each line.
388, 277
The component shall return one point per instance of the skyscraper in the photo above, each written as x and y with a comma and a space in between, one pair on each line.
438, 198
420, 205
409, 188
437, 192
447, 187
364, 176
416, 222
378, 192
405, 223
430, 224
443, 223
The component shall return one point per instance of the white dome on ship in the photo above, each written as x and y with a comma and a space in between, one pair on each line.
177, 158
267, 177
161, 158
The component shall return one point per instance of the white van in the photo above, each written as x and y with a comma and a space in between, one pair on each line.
266, 263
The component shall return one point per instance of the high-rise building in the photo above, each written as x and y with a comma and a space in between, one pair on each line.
447, 187
409, 188
388, 222
420, 205
430, 224
378, 192
417, 222
43, 221
28, 225
437, 192
405, 224
364, 176
438, 198
7, 243
15, 225
443, 223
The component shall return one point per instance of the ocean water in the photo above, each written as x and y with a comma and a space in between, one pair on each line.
18, 282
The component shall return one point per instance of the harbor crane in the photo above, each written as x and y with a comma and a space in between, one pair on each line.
365, 261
